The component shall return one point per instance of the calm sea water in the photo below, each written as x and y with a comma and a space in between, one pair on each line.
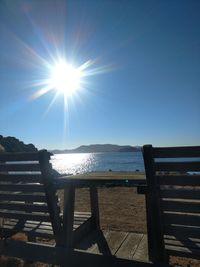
88, 162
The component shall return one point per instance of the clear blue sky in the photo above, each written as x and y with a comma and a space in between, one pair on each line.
150, 92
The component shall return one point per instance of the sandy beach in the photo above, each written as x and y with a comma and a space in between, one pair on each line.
120, 208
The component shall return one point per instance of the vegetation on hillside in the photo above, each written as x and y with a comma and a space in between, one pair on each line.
12, 144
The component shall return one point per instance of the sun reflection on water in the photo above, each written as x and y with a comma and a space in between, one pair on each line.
74, 163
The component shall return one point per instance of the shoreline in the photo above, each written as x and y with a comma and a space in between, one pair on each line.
108, 174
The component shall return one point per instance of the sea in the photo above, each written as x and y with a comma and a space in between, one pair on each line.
79, 163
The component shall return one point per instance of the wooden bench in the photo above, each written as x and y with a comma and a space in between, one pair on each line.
29, 204
172, 201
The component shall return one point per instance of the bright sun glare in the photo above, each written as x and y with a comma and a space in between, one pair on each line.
65, 78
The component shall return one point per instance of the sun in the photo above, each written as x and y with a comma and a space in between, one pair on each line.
65, 78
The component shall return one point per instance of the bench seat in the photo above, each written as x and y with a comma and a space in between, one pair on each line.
42, 229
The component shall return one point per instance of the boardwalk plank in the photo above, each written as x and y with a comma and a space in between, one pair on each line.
115, 240
141, 253
132, 246
129, 246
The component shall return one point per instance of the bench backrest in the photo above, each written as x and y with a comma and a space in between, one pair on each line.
26, 189
173, 201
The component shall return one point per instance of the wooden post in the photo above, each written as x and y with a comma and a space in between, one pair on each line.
51, 197
68, 216
94, 203
153, 209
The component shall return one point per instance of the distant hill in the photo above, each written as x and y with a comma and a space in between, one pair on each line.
98, 148
12, 144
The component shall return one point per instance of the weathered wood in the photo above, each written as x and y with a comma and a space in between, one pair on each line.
51, 196
20, 167
59, 255
32, 229
176, 152
154, 219
19, 156
181, 215
15, 178
28, 204
183, 180
182, 232
63, 182
130, 245
25, 188
94, 204
181, 206
178, 166
181, 219
68, 216
183, 243
25, 216
183, 251
23, 207
180, 193
115, 240
23, 197
142, 252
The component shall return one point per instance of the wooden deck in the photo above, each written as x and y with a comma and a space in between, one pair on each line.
126, 245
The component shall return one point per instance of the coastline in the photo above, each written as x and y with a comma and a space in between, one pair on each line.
109, 175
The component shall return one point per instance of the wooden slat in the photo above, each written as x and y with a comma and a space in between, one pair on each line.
29, 178
176, 152
28, 156
180, 206
182, 243
29, 223
181, 219
180, 193
183, 251
114, 240
22, 187
23, 197
178, 166
19, 167
129, 246
182, 232
23, 207
192, 180
30, 227
25, 216
142, 250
